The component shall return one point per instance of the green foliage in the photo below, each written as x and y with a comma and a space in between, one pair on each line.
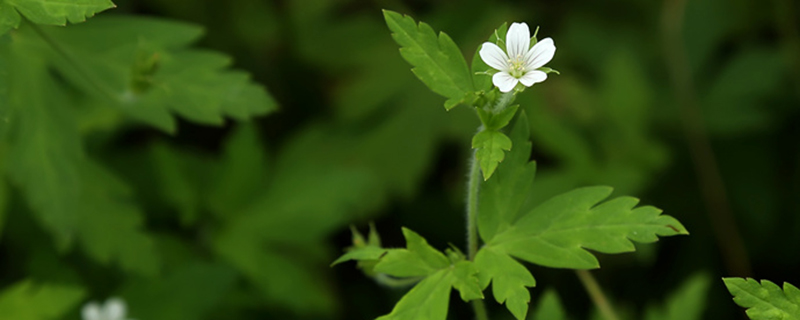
148, 73
688, 302
51, 12
437, 61
429, 298
765, 300
28, 301
189, 292
549, 307
490, 145
555, 233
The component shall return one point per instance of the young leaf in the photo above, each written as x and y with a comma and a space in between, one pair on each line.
437, 61
428, 300
26, 301
765, 300
48, 11
490, 145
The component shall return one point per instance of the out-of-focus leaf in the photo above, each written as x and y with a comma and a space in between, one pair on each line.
187, 293
687, 302
549, 307
437, 61
52, 12
765, 300
735, 102
147, 72
73, 197
28, 301
243, 171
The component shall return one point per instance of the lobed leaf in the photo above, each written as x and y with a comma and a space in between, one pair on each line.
556, 233
147, 72
437, 61
489, 145
418, 259
50, 12
27, 301
765, 300
71, 196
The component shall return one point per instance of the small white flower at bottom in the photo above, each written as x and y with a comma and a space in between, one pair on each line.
112, 309
519, 62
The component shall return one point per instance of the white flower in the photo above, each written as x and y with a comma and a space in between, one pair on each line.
519, 63
113, 309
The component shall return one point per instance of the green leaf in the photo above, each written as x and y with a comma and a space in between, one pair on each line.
497, 121
555, 233
505, 195
429, 299
71, 196
549, 307
558, 232
509, 279
687, 303
484, 81
52, 12
437, 61
418, 259
242, 174
362, 253
146, 72
27, 301
490, 145
765, 300
190, 292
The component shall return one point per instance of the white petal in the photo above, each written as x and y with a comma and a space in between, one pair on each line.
541, 53
532, 77
504, 81
518, 40
91, 311
492, 55
115, 309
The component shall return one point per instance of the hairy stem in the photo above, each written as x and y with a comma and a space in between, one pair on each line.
473, 186
79, 68
599, 299
709, 179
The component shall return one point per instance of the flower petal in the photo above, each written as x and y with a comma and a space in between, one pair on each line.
518, 40
91, 311
492, 55
504, 81
532, 77
541, 53
115, 309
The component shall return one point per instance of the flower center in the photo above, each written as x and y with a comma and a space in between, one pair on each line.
516, 66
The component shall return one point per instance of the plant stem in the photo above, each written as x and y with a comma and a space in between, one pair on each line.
73, 62
473, 187
596, 294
